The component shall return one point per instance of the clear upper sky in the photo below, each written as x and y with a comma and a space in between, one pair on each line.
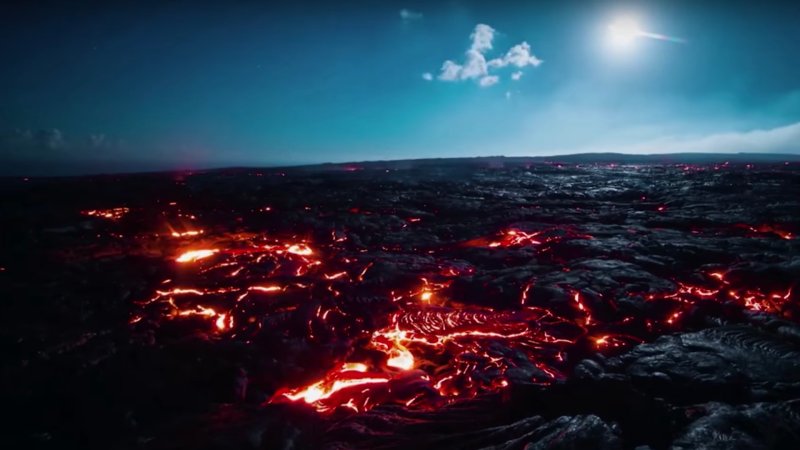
196, 84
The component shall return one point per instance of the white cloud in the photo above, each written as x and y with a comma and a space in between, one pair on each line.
482, 38
519, 56
450, 71
409, 15
489, 80
427, 76
476, 67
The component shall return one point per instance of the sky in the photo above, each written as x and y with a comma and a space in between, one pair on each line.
114, 86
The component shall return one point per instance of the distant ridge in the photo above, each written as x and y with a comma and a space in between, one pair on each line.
672, 157
578, 158
84, 168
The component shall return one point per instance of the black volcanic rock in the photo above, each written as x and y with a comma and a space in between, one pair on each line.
725, 363
757, 425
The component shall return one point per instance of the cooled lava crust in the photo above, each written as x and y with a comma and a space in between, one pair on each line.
451, 304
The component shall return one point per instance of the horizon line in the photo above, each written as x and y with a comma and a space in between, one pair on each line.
708, 158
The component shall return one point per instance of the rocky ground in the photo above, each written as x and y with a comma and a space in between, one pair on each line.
452, 304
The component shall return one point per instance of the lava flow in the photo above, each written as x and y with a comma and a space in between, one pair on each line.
425, 348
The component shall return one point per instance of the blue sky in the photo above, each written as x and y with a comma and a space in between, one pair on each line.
190, 84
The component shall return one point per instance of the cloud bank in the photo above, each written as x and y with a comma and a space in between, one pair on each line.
783, 139
477, 68
50, 143
51, 139
775, 140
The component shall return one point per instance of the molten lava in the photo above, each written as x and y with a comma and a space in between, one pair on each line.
421, 347
109, 214
195, 255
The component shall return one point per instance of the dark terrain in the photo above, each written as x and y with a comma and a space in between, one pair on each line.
489, 303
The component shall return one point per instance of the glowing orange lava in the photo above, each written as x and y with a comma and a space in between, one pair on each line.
188, 233
423, 347
195, 255
110, 214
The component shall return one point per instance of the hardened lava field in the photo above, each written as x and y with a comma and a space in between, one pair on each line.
446, 304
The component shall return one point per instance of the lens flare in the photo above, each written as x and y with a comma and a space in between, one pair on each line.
623, 32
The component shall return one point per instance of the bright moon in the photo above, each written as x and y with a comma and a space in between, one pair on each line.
623, 32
